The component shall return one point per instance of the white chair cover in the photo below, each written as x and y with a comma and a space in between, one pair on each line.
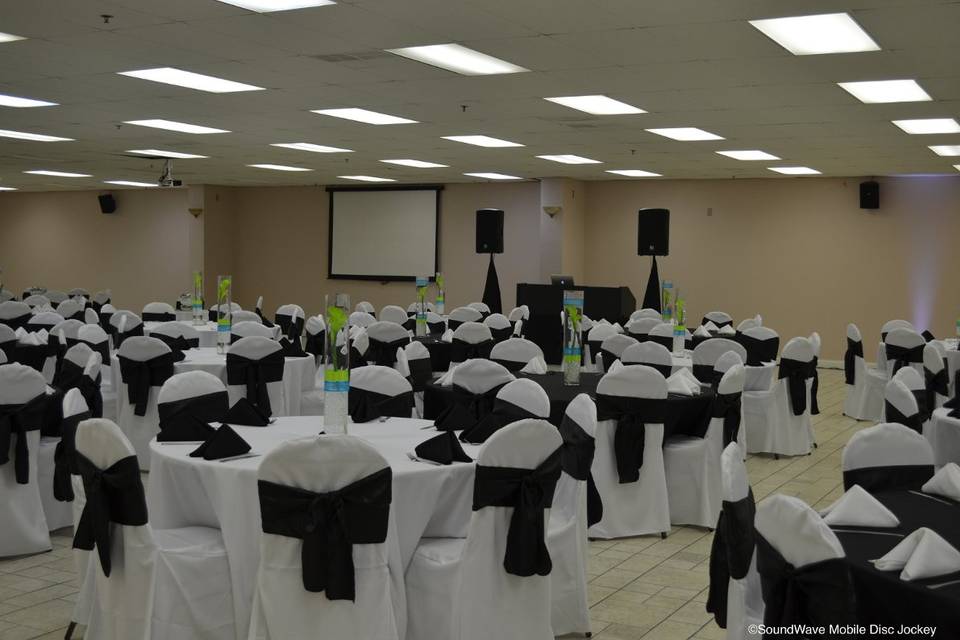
748, 323
257, 348
71, 308
56, 297
885, 446
382, 380
646, 312
248, 328
760, 377
465, 314
361, 318
139, 430
480, 306
905, 338
709, 351
640, 327
864, 396
614, 346
365, 307
718, 318
516, 350
899, 402
37, 300
796, 531
239, 316
393, 313
651, 354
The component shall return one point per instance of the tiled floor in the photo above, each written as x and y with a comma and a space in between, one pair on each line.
639, 587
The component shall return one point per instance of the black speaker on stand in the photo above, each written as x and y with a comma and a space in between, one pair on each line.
870, 194
107, 203
653, 239
490, 240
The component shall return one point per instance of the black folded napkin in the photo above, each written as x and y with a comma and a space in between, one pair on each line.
444, 449
186, 428
245, 413
223, 444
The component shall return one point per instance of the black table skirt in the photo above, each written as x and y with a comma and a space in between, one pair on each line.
439, 352
687, 415
882, 597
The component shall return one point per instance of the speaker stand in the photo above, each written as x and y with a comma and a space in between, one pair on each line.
651, 297
491, 290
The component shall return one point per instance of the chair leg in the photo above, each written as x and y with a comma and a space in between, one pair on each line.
776, 456
70, 628
663, 535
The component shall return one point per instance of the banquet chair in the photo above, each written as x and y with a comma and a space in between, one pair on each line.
475, 384
44, 320
796, 547
191, 394
747, 323
99, 299
482, 307
499, 325
519, 399
651, 354
68, 488
470, 340
72, 308
902, 347
8, 342
379, 392
143, 582
327, 585
891, 325
419, 370
6, 294
646, 313
436, 325
216, 309
887, 457
735, 597
105, 313
145, 364
574, 508
706, 353
249, 328
361, 319
864, 385
515, 353
662, 334
255, 371
124, 324
460, 315
613, 347
900, 403
719, 318
935, 377
60, 338
37, 300
316, 337
393, 313
762, 345
90, 316
78, 292
815, 342
633, 487
158, 312
595, 337
692, 464
365, 307
245, 316
79, 370
384, 338
414, 306
15, 314
518, 314
640, 327
56, 297
487, 585
777, 421
23, 402
290, 318
97, 339
179, 336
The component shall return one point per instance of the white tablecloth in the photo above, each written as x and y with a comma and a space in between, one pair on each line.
428, 500
207, 331
943, 433
299, 374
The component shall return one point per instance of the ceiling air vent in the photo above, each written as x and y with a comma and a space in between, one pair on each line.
352, 57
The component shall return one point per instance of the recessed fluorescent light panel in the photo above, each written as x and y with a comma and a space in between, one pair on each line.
9, 37
886, 91
278, 167
795, 171
957, 167
160, 153
307, 146
685, 134
459, 59
493, 176
568, 158
367, 178
35, 137
364, 115
268, 6
483, 141
417, 164
14, 101
8, 189
57, 174
130, 183
170, 125
929, 125
946, 149
749, 154
190, 80
597, 105
811, 35
634, 173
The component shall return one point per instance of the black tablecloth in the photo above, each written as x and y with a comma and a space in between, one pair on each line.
882, 597
687, 415
439, 352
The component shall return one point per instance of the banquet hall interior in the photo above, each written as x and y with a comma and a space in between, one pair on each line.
450, 320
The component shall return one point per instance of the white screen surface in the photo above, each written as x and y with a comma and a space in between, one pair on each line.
383, 234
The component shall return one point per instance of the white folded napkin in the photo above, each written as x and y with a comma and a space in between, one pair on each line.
677, 383
31, 340
355, 329
701, 332
688, 374
710, 326
535, 366
402, 365
727, 330
922, 554
20, 332
447, 335
945, 482
857, 508
615, 366
446, 379
616, 325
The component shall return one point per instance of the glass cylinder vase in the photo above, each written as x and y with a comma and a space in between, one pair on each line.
224, 312
666, 302
679, 326
420, 327
438, 306
336, 363
572, 336
196, 304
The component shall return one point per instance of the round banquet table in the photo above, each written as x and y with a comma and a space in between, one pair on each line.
687, 415
207, 331
882, 597
439, 352
428, 499
299, 374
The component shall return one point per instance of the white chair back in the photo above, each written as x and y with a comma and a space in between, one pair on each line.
479, 375
256, 348
651, 354
71, 308
393, 313
482, 307
249, 328
719, 318
245, 316
796, 531
365, 307
515, 352
465, 314
646, 313
885, 447
642, 326
361, 319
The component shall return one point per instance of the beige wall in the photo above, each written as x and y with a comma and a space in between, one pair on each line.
800, 251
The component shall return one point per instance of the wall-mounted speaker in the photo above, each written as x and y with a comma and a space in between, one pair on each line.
870, 195
489, 231
653, 232
107, 203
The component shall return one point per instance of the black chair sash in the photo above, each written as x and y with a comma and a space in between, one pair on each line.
33, 355
814, 387
52, 414
384, 353
177, 343
719, 325
854, 351
114, 495
727, 406
209, 407
892, 414
17, 321
103, 348
499, 335
329, 524
453, 324
632, 416
706, 374
513, 366
903, 356
731, 552
759, 351
105, 321
290, 326
928, 335
64, 457
466, 408
92, 394
365, 405
796, 372
17, 420
665, 341
212, 315
158, 316
263, 318
461, 351
315, 344
8, 348
436, 328
119, 338
817, 594
924, 408
67, 376
421, 372
503, 413
529, 492
888, 478
576, 460
140, 375
291, 348
97, 306
935, 383
57, 349
664, 369
608, 358
256, 374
